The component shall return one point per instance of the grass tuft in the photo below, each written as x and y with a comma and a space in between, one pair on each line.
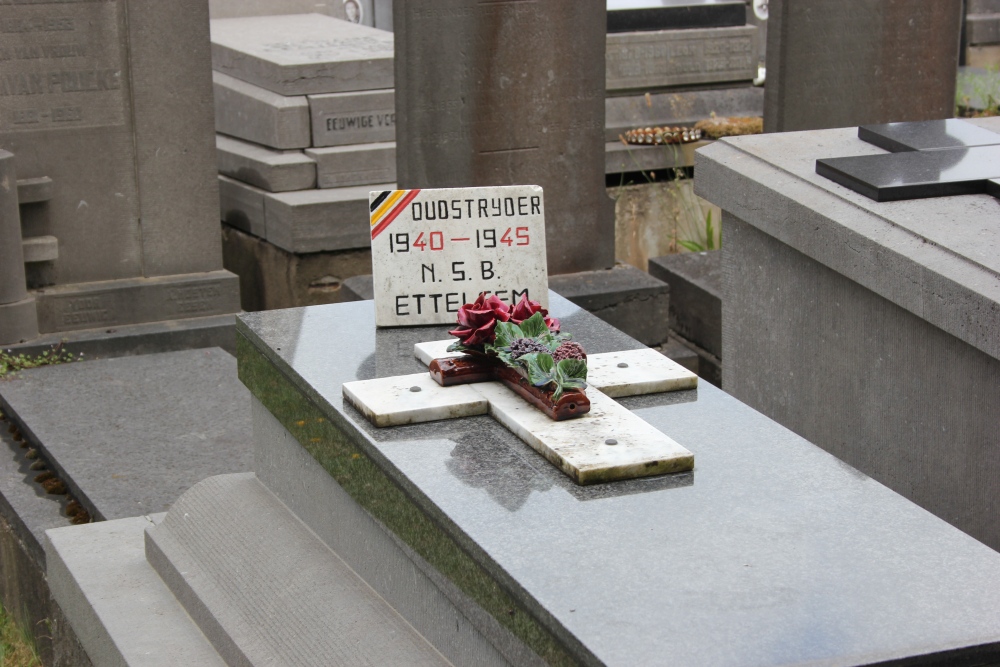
17, 646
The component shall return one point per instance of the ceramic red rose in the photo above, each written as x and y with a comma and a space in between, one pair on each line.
525, 308
477, 321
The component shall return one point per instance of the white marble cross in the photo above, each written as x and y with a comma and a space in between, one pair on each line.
608, 443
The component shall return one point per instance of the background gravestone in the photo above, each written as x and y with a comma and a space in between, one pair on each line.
833, 63
18, 319
505, 94
112, 101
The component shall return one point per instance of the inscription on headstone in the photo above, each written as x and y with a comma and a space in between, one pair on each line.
110, 101
678, 57
60, 65
353, 118
435, 250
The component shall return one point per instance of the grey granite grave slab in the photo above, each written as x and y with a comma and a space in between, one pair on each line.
129, 435
643, 61
808, 561
353, 118
242, 206
253, 113
877, 63
626, 112
122, 612
303, 54
890, 311
262, 167
356, 164
315, 220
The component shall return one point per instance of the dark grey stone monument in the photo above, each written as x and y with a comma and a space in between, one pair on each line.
869, 327
832, 63
112, 101
509, 93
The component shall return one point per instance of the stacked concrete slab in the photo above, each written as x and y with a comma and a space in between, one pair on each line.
305, 115
306, 121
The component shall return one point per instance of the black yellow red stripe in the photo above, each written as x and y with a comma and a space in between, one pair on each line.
392, 206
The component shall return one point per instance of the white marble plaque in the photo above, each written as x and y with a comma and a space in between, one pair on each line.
435, 250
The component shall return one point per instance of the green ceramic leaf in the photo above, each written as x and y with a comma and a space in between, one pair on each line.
534, 326
506, 333
538, 375
545, 361
573, 368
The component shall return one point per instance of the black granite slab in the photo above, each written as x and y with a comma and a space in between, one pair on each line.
993, 187
772, 552
648, 15
915, 174
129, 435
927, 135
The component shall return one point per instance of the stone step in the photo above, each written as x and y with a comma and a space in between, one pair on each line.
271, 592
121, 610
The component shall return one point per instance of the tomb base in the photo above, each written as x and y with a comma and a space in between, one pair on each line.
451, 540
186, 334
272, 277
114, 303
18, 321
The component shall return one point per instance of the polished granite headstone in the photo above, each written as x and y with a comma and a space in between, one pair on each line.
644, 15
929, 159
771, 552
